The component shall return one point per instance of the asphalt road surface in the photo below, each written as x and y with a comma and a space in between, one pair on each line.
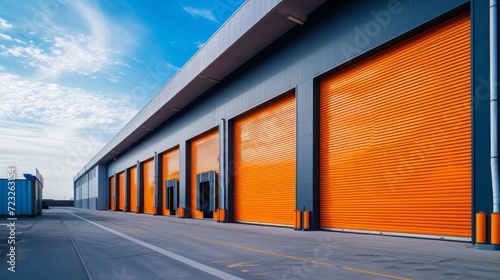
69, 243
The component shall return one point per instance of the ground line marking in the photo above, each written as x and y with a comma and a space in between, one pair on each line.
283, 255
423, 253
192, 263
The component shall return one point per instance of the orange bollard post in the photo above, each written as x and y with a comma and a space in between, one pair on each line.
222, 215
180, 212
495, 228
298, 220
481, 227
307, 220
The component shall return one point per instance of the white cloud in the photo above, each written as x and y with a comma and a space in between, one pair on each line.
5, 37
199, 44
204, 13
4, 24
66, 52
58, 152
71, 54
170, 66
53, 104
56, 129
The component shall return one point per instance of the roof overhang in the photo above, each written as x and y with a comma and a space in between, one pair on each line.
253, 27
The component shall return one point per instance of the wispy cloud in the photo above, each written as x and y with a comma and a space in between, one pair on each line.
53, 104
170, 66
4, 24
199, 44
56, 129
5, 37
204, 13
65, 52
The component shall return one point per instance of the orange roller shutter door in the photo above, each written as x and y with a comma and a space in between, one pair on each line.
121, 190
133, 188
170, 170
148, 183
204, 158
264, 154
395, 133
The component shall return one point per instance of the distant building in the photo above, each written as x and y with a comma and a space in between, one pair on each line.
27, 194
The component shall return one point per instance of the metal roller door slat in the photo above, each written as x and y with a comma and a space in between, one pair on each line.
264, 153
133, 188
170, 170
395, 138
148, 184
121, 190
204, 158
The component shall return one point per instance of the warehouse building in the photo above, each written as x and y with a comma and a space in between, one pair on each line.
357, 116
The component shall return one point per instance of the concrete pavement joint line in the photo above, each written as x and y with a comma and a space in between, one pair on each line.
246, 248
425, 254
195, 264
80, 257
284, 256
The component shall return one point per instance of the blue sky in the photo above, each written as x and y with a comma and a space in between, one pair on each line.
73, 73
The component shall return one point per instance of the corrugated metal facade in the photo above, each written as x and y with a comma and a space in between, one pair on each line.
25, 198
396, 138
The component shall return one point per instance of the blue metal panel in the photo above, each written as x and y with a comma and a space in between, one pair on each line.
24, 198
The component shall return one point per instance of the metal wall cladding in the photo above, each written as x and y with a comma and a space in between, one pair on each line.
204, 158
396, 138
148, 185
250, 13
264, 163
112, 197
133, 188
170, 170
121, 190
27, 198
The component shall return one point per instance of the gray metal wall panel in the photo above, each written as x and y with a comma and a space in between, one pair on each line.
184, 176
482, 197
103, 186
307, 164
